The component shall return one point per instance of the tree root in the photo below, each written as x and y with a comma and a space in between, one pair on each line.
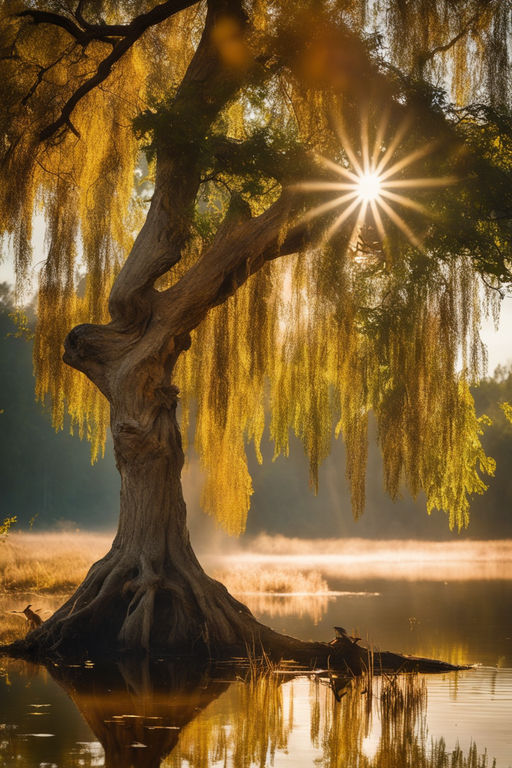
126, 605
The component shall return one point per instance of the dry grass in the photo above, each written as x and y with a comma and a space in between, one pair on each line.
42, 569
48, 563
253, 579
57, 562
278, 592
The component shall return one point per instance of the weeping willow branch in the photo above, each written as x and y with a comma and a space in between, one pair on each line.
470, 27
337, 333
128, 35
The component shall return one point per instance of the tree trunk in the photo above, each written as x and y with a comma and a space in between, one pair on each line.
149, 592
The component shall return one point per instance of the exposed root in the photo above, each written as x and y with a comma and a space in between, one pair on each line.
127, 605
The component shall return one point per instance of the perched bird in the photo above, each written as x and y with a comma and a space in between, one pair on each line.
341, 633
32, 618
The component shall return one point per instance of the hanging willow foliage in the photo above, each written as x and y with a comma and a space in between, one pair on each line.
312, 343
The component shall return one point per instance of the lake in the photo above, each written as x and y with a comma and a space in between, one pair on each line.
167, 714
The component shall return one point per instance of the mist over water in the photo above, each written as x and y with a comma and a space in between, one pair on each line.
422, 560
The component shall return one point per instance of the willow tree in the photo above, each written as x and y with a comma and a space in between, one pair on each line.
267, 207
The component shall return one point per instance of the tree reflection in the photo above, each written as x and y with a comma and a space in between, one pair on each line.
137, 709
174, 714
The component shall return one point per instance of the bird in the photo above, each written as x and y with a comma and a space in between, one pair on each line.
342, 633
32, 618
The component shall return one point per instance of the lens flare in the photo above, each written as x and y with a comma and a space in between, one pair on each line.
370, 187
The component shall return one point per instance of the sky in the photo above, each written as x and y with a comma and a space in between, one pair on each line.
499, 342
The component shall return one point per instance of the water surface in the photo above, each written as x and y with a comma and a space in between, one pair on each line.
174, 716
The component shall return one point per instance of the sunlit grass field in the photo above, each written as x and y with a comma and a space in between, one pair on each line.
53, 563
42, 569
50, 562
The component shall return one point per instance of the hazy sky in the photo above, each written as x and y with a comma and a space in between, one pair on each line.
499, 343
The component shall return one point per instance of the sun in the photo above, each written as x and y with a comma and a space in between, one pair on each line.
369, 185
372, 184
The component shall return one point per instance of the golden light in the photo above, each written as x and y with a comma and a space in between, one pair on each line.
370, 186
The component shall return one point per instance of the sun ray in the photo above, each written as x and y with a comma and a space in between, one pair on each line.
365, 147
426, 181
399, 135
347, 146
329, 205
407, 160
359, 221
341, 218
406, 202
400, 223
378, 220
379, 138
339, 169
361, 216
319, 186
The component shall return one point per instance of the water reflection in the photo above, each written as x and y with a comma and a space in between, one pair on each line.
177, 714
137, 710
312, 607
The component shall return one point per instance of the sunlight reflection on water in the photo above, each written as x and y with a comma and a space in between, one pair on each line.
181, 719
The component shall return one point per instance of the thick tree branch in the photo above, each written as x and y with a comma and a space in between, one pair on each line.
80, 17
56, 20
84, 32
237, 252
206, 88
139, 24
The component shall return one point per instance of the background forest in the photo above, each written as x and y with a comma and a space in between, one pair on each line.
61, 488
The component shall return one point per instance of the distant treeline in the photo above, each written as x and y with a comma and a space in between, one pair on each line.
47, 478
